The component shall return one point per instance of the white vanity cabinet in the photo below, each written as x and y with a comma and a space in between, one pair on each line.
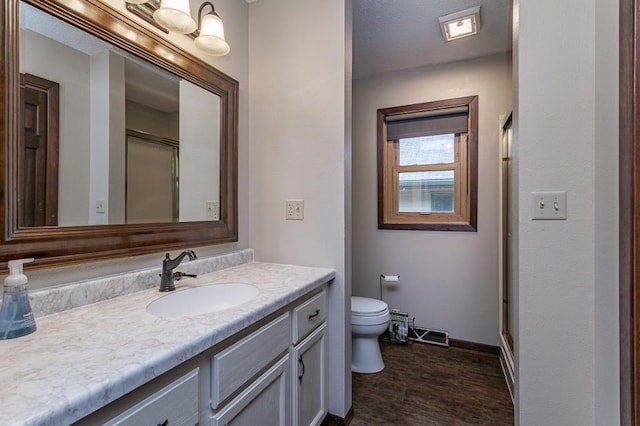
174, 404
171, 399
293, 391
310, 383
309, 361
273, 372
265, 401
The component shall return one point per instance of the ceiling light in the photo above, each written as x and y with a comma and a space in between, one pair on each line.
460, 24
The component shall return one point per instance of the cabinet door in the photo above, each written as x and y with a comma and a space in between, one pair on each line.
265, 402
236, 365
175, 404
310, 379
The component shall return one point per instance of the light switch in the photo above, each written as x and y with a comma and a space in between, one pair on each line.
213, 210
294, 210
100, 205
549, 205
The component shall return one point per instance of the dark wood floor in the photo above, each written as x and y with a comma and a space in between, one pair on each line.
424, 384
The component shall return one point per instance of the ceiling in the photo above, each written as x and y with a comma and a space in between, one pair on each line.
391, 35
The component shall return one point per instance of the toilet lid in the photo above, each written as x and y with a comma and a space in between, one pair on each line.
367, 306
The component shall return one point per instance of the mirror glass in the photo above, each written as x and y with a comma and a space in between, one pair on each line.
115, 146
108, 138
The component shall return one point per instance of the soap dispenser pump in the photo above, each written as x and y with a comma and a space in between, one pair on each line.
16, 317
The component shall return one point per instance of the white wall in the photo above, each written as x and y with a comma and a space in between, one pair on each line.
116, 203
153, 121
566, 129
100, 132
297, 139
53, 61
607, 333
448, 280
199, 182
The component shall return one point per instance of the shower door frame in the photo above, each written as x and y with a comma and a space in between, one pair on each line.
507, 358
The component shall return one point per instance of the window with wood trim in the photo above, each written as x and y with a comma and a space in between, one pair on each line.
428, 166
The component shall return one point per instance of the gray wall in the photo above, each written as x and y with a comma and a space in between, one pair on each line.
566, 128
448, 280
297, 149
70, 68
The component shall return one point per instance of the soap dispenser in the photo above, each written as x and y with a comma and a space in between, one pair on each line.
16, 317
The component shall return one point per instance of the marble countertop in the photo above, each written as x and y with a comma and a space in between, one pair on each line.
81, 359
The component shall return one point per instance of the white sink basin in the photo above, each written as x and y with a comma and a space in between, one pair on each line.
202, 300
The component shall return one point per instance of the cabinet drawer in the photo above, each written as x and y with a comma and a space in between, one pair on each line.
265, 402
235, 365
309, 315
176, 404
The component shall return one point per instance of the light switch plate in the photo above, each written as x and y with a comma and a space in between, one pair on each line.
213, 210
294, 210
100, 205
549, 205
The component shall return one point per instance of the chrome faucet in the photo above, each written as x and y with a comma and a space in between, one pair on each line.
168, 265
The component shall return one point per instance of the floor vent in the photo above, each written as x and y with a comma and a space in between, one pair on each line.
425, 335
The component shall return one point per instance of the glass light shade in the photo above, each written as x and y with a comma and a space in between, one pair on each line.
175, 15
460, 24
211, 39
463, 27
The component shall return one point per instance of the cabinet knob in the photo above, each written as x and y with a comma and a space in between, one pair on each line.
312, 316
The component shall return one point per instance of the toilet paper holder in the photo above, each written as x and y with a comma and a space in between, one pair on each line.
387, 279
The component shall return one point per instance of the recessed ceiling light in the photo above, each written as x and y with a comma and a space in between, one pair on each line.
460, 24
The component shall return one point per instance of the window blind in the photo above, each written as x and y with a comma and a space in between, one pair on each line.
427, 123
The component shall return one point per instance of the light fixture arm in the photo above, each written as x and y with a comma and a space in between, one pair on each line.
207, 31
202, 6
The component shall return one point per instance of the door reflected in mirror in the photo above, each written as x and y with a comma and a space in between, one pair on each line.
107, 138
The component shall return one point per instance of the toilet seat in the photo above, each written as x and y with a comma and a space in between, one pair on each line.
367, 311
366, 306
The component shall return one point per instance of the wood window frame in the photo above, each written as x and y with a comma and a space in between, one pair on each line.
464, 218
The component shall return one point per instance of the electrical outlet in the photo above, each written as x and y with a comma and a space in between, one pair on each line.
295, 210
213, 210
100, 205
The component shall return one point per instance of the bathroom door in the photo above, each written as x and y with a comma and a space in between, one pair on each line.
38, 151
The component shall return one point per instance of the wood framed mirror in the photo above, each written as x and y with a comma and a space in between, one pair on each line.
52, 240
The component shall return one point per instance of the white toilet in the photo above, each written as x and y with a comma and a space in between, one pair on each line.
369, 319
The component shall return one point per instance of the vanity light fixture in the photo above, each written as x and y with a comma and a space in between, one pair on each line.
211, 37
175, 16
460, 24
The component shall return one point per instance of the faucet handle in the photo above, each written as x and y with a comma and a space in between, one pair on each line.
178, 275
